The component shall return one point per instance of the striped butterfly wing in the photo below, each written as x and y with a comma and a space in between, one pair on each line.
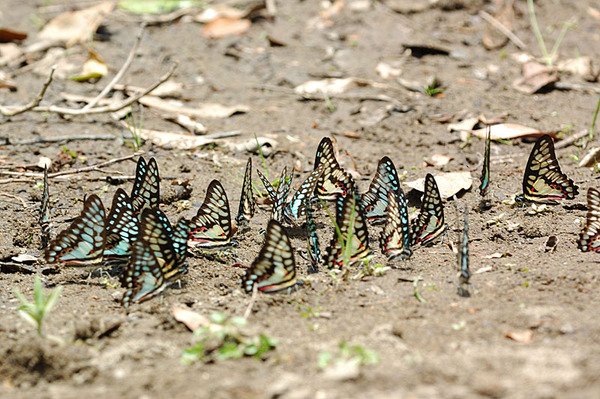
485, 171
301, 198
140, 174
211, 227
122, 227
82, 242
395, 237
589, 238
283, 190
154, 262
430, 222
274, 269
246, 209
314, 249
146, 194
375, 200
180, 242
44, 217
350, 242
334, 180
465, 272
543, 180
268, 186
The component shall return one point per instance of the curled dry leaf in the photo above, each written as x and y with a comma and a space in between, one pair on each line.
535, 77
224, 26
44, 162
449, 183
205, 110
24, 258
508, 131
522, 336
191, 319
256, 145
464, 125
94, 68
74, 27
581, 66
325, 86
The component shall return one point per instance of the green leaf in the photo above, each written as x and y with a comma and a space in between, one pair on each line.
324, 359
230, 350
155, 6
193, 354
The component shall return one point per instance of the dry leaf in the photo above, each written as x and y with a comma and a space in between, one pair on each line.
9, 52
24, 258
594, 12
464, 125
179, 141
582, 66
74, 27
219, 11
191, 319
9, 35
188, 123
507, 131
535, 77
256, 145
325, 86
438, 160
94, 68
483, 269
449, 183
224, 26
496, 255
387, 71
492, 37
205, 110
6, 83
522, 336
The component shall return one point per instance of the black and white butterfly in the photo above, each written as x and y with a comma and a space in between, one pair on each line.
211, 227
146, 187
247, 203
463, 259
395, 238
334, 180
589, 238
122, 227
375, 200
430, 222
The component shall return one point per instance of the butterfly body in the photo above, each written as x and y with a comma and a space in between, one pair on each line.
296, 208
430, 223
314, 249
247, 203
485, 170
589, 238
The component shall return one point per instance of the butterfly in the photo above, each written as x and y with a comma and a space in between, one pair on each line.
589, 238
211, 227
430, 222
278, 196
314, 249
44, 218
274, 269
334, 180
543, 180
485, 171
296, 208
395, 237
82, 242
375, 200
122, 227
246, 209
146, 187
157, 259
350, 242
465, 273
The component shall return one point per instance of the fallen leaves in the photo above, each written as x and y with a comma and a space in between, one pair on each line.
189, 318
508, 131
10, 35
326, 86
94, 68
204, 110
535, 77
179, 141
521, 336
449, 184
225, 26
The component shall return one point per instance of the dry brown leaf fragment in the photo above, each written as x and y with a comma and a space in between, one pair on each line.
535, 77
225, 26
9, 35
522, 336
492, 37
189, 318
74, 27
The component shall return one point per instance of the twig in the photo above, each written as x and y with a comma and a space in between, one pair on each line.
503, 29
252, 300
121, 72
577, 86
107, 108
9, 111
16, 180
58, 139
571, 139
321, 97
15, 197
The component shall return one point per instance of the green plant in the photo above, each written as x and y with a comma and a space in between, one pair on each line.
548, 57
225, 337
70, 153
416, 292
35, 312
371, 269
433, 90
134, 125
346, 240
347, 352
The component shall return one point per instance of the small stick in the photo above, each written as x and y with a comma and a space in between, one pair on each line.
571, 139
9, 111
252, 300
119, 74
15, 197
503, 29
107, 108
39, 140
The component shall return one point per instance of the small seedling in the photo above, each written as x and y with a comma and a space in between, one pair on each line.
548, 57
368, 269
347, 353
134, 124
35, 312
433, 90
416, 292
72, 154
225, 337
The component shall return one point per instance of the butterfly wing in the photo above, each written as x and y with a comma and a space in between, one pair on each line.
485, 171
246, 209
82, 242
589, 238
211, 226
334, 180
375, 200
395, 237
147, 194
314, 249
268, 186
274, 269
465, 272
301, 198
543, 180
122, 227
430, 222
140, 174
283, 190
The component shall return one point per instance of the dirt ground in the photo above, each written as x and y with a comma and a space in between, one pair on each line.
448, 346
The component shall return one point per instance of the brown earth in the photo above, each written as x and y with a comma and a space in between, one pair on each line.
448, 346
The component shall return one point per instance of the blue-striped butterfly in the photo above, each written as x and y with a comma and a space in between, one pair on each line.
157, 258
430, 222
146, 187
82, 242
295, 209
314, 249
278, 196
543, 180
375, 200
44, 218
211, 227
350, 242
589, 238
271, 191
246, 208
485, 170
122, 227
334, 180
395, 238
274, 269
465, 272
